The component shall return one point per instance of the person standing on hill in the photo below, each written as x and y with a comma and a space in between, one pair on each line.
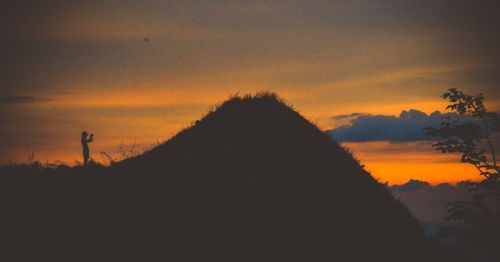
85, 145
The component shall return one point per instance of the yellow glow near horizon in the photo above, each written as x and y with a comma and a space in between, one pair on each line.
399, 162
146, 118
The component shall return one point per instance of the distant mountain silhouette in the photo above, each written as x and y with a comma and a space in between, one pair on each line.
251, 181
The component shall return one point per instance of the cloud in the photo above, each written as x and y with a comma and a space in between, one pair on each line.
418, 185
349, 116
405, 127
427, 202
409, 186
35, 47
20, 100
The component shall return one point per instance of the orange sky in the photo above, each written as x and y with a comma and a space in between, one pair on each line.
142, 70
398, 162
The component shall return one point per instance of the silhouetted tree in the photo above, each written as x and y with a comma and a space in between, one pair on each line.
473, 139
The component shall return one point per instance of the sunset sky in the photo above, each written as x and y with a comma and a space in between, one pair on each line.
139, 71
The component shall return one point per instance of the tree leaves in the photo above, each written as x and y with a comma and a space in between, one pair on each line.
481, 212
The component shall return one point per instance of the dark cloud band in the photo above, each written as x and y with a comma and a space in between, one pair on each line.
20, 100
408, 126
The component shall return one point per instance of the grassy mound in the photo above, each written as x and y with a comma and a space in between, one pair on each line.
253, 180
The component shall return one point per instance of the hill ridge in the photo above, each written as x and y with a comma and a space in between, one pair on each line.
252, 180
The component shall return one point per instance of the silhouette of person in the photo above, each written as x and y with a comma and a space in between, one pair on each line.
85, 145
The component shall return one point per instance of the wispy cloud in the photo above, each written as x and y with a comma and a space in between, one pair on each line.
347, 116
21, 100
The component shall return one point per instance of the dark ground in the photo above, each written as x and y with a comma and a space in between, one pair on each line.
251, 181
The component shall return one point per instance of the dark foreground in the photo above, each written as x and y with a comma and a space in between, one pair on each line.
251, 181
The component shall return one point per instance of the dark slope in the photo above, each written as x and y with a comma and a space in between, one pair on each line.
251, 181
262, 180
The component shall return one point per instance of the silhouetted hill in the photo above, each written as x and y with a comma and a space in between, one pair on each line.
251, 181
